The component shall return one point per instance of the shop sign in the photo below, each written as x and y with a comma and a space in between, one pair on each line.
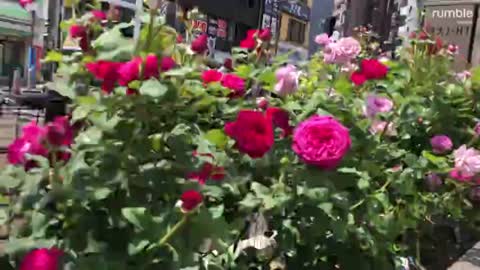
299, 11
453, 24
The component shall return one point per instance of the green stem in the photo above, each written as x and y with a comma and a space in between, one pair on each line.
173, 231
384, 187
153, 14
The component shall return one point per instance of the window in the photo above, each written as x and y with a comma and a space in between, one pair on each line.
296, 31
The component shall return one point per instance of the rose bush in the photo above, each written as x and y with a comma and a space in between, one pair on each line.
166, 163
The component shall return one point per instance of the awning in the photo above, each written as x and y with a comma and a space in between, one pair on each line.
14, 20
13, 10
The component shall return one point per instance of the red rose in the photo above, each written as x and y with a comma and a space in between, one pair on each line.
59, 132
179, 39
234, 83
412, 35
24, 3
105, 71
358, 78
373, 69
249, 42
279, 118
211, 75
167, 63
228, 63
199, 45
151, 67
423, 35
252, 132
208, 171
262, 103
78, 31
190, 200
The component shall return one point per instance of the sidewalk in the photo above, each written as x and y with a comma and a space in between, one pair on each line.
469, 261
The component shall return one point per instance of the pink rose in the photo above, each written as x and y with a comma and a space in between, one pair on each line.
321, 141
343, 51
323, 39
151, 67
459, 176
99, 15
476, 129
377, 104
330, 53
129, 71
287, 80
25, 3
464, 75
378, 127
31, 142
467, 161
234, 83
348, 48
42, 259
211, 76
441, 144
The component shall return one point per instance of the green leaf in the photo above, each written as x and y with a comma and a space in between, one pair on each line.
18, 245
244, 71
101, 193
217, 137
343, 86
39, 223
53, 56
3, 215
216, 211
476, 76
179, 72
153, 88
112, 45
136, 216
327, 207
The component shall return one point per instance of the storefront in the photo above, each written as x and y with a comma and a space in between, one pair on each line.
456, 22
15, 36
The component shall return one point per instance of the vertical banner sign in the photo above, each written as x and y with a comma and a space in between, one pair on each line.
222, 29
454, 25
200, 25
212, 30
270, 16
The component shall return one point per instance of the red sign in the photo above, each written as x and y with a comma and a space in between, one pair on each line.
222, 28
200, 26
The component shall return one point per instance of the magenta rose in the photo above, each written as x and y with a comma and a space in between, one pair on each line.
321, 141
441, 144
42, 259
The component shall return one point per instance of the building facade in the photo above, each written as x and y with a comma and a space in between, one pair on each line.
16, 26
294, 29
323, 20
